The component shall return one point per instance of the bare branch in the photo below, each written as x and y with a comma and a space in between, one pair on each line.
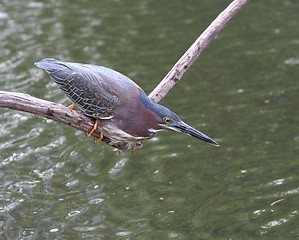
60, 113
182, 65
57, 112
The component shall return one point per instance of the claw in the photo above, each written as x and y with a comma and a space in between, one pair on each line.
72, 106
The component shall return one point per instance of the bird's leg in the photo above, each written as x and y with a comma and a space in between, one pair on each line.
133, 149
100, 138
95, 125
72, 106
136, 146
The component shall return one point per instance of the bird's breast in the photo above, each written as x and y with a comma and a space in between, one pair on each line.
117, 135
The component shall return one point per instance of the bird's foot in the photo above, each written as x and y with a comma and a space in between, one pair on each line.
95, 125
72, 106
136, 145
99, 139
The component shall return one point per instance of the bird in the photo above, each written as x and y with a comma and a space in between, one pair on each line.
121, 110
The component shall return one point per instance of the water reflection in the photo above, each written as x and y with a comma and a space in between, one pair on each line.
118, 167
56, 184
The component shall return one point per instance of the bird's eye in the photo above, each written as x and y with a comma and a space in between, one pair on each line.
167, 120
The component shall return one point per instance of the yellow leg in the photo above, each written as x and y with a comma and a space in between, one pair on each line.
100, 138
72, 106
95, 125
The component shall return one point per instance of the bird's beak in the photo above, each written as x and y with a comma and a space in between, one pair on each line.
185, 128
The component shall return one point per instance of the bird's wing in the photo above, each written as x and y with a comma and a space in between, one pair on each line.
95, 90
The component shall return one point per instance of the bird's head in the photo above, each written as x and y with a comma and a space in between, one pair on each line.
171, 121
166, 119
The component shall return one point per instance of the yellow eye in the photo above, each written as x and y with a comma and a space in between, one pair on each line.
167, 120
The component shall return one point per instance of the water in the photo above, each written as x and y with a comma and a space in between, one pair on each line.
242, 91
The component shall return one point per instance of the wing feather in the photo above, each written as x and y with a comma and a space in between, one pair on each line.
94, 89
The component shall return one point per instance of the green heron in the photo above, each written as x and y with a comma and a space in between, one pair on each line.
122, 111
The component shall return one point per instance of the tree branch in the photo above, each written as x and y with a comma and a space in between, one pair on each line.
57, 112
60, 113
184, 63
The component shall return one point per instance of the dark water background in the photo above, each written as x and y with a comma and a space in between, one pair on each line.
242, 91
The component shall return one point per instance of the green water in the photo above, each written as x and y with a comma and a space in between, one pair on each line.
242, 91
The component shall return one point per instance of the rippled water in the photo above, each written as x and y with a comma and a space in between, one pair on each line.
243, 91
